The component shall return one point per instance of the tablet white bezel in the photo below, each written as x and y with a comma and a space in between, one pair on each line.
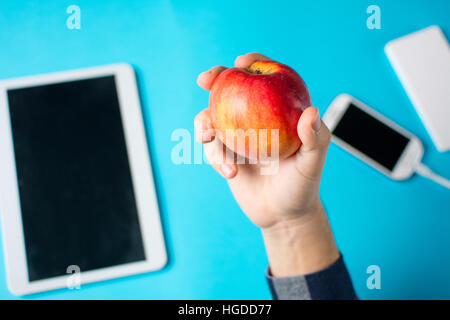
148, 213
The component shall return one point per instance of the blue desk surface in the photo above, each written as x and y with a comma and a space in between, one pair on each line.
214, 251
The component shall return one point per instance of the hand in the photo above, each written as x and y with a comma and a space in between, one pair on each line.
285, 205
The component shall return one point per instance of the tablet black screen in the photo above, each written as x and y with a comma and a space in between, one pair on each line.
76, 194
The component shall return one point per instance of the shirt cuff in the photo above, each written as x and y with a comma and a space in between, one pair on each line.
331, 283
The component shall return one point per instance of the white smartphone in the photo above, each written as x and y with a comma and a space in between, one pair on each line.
373, 138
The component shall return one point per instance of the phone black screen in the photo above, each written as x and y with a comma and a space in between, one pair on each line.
76, 193
371, 137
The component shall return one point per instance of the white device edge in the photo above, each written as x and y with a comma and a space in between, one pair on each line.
140, 167
413, 92
408, 160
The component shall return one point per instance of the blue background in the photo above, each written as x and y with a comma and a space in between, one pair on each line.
214, 251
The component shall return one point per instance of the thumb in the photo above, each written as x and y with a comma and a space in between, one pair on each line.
315, 137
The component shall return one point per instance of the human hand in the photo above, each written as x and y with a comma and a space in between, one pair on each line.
286, 204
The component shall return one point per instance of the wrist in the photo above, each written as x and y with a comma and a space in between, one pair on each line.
300, 245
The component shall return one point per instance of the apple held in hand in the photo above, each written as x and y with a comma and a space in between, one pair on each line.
255, 111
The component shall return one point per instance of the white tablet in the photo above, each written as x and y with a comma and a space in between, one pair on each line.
76, 186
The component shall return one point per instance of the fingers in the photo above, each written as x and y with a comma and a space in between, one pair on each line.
315, 138
312, 131
206, 79
204, 130
218, 157
217, 154
221, 160
227, 171
247, 59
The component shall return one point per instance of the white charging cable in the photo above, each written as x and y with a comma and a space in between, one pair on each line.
426, 172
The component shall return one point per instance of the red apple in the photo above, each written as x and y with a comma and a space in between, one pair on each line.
267, 95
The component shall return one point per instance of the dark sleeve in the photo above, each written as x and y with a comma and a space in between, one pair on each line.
331, 283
